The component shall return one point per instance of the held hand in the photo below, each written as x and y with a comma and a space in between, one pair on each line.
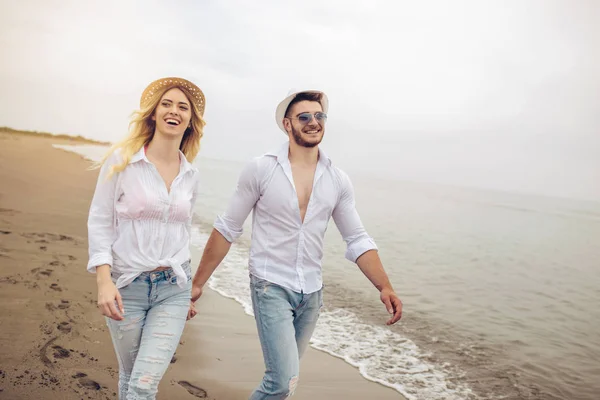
196, 293
393, 305
110, 303
192, 311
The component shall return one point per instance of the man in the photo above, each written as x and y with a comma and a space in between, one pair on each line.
293, 193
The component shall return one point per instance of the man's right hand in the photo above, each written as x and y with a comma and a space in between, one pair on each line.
196, 292
109, 301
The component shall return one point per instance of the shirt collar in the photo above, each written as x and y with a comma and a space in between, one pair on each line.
141, 155
283, 152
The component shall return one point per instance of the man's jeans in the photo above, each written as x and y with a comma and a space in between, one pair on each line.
285, 321
146, 339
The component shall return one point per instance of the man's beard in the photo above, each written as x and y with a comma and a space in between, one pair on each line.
301, 142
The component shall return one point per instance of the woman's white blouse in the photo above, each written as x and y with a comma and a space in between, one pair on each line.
135, 225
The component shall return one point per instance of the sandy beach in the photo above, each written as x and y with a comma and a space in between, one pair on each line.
54, 344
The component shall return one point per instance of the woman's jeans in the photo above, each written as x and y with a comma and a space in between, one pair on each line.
285, 321
145, 340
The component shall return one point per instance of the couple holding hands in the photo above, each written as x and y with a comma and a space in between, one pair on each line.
139, 230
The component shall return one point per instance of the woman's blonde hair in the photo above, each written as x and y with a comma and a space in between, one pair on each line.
142, 127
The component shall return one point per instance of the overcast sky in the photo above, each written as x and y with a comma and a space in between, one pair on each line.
500, 94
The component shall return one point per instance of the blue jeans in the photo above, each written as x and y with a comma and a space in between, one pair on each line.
145, 340
285, 321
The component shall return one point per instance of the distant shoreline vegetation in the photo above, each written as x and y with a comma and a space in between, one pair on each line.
78, 138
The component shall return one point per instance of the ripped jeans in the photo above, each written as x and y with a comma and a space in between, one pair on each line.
285, 321
145, 340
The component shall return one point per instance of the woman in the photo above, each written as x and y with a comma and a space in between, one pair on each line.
139, 233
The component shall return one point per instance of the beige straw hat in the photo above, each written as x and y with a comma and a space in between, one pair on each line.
170, 82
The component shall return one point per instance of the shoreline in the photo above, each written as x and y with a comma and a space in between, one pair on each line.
60, 137
55, 344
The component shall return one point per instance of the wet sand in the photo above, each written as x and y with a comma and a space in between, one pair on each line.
54, 344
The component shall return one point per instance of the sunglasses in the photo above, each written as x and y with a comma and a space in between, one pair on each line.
306, 117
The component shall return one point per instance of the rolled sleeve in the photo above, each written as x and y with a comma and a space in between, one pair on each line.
101, 229
359, 247
231, 223
99, 259
226, 229
349, 224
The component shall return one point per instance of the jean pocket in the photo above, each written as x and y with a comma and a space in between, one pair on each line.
258, 283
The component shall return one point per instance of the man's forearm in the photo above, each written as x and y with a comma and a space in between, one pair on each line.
215, 251
370, 265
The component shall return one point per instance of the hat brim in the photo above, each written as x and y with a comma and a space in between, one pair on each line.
282, 107
171, 82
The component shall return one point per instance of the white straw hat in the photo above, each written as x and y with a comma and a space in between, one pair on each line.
282, 107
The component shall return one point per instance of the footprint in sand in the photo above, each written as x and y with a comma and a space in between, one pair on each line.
61, 352
194, 390
44, 238
5, 232
89, 384
64, 327
85, 381
39, 271
55, 286
8, 279
64, 304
